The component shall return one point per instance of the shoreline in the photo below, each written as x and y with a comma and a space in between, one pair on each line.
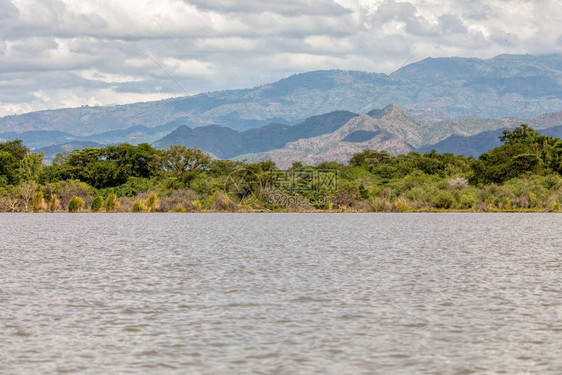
529, 211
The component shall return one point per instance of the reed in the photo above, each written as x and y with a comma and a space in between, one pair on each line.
39, 202
53, 204
111, 204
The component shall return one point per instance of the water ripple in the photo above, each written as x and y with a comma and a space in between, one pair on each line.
280, 293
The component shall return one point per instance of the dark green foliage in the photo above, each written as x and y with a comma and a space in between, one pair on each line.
9, 169
180, 159
97, 204
386, 166
363, 192
15, 148
444, 200
105, 167
523, 151
223, 167
111, 203
297, 165
135, 185
11, 155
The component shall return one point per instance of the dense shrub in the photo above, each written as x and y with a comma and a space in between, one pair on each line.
75, 204
467, 201
97, 204
65, 190
179, 200
444, 200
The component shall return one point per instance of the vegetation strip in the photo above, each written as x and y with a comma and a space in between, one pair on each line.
523, 174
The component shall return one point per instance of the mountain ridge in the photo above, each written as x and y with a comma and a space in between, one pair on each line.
431, 89
254, 140
388, 134
332, 136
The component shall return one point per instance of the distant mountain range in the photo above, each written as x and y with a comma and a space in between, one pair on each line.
227, 143
133, 135
333, 136
392, 130
431, 89
324, 115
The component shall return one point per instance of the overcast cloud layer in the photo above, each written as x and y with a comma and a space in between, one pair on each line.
71, 53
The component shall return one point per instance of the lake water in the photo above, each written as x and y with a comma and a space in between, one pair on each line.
280, 293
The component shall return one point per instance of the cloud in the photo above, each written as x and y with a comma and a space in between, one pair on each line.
7, 10
286, 7
56, 53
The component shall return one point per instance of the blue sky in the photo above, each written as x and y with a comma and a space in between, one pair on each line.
70, 53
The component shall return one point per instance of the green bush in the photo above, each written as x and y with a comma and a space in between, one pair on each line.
111, 203
75, 204
444, 200
467, 201
97, 204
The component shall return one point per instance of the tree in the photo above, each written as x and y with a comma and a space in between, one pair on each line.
11, 155
180, 159
297, 165
60, 158
15, 148
26, 191
557, 156
521, 134
137, 161
224, 167
523, 151
105, 167
369, 157
31, 166
9, 169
